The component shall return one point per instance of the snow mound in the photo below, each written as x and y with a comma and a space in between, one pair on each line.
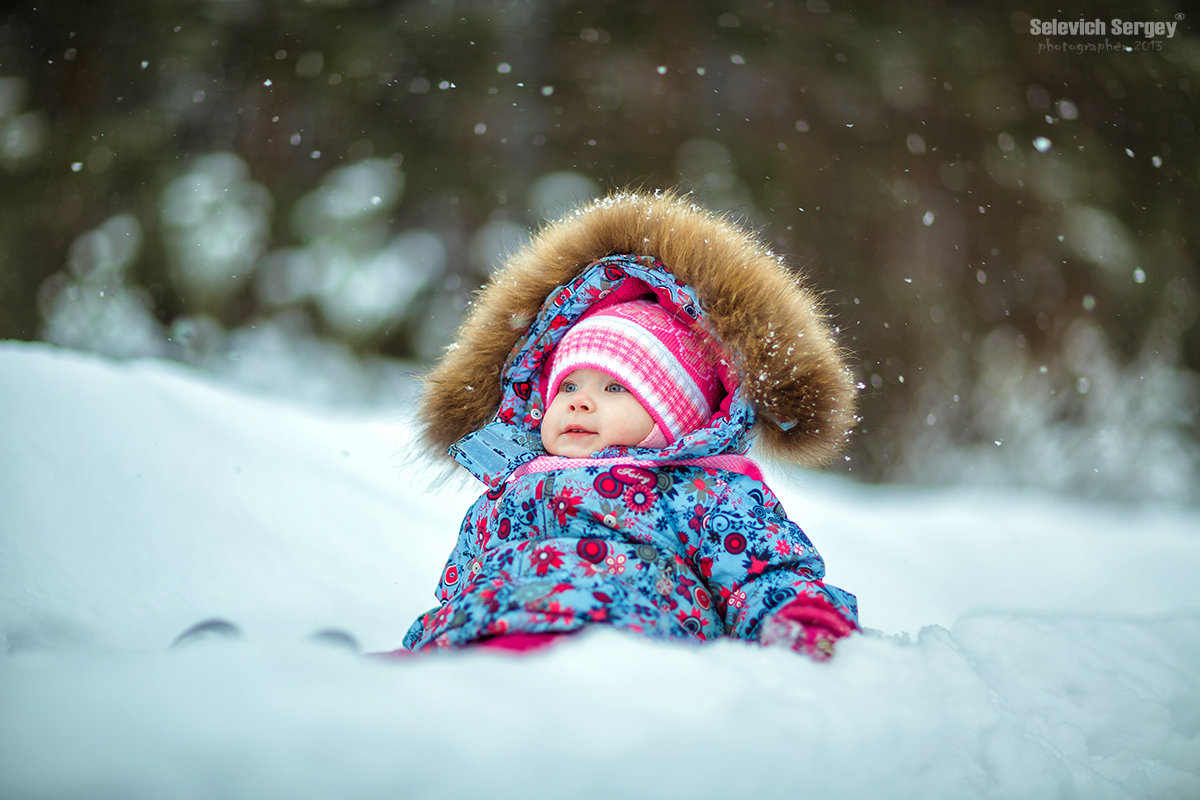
1017, 645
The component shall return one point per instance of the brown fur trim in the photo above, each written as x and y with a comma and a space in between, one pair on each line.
784, 351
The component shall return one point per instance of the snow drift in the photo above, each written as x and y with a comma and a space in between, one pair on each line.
1018, 645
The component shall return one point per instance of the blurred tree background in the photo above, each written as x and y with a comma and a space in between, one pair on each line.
300, 195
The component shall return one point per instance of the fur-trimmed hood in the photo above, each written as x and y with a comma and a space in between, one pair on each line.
790, 368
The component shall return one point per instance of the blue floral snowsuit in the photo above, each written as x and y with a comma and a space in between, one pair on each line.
630, 537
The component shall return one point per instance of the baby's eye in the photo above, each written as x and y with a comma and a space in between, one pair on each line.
566, 386
615, 387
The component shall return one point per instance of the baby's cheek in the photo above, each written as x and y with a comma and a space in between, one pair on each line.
546, 431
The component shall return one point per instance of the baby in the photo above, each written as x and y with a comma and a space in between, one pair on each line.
618, 489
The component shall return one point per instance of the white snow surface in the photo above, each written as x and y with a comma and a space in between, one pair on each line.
1017, 645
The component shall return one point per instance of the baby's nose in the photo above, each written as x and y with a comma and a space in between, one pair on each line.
581, 403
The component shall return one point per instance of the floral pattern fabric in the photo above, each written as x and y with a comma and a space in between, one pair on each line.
660, 548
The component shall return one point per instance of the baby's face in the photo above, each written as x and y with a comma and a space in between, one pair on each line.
592, 411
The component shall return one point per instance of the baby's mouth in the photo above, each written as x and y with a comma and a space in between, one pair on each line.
577, 429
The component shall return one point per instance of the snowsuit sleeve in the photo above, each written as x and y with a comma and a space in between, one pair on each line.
473, 535
756, 561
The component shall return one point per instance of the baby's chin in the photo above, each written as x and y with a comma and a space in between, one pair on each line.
574, 446
573, 451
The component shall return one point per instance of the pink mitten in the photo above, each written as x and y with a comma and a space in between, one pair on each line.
809, 625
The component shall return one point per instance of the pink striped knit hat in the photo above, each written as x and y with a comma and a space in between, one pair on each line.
668, 365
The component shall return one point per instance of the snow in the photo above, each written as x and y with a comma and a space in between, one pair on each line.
1017, 645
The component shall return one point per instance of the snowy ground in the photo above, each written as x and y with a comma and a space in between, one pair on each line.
1018, 646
